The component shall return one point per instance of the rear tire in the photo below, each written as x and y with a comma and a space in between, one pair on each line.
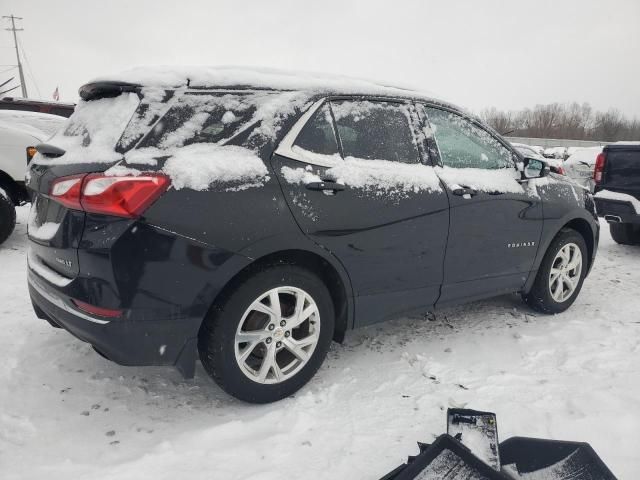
625, 233
264, 368
7, 217
556, 285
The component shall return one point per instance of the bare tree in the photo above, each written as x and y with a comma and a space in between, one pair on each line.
571, 121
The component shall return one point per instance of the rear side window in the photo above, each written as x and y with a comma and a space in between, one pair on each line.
317, 135
462, 144
201, 118
375, 130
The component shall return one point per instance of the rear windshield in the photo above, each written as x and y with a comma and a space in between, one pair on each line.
95, 127
623, 167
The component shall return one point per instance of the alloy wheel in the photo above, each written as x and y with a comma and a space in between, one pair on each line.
277, 335
564, 276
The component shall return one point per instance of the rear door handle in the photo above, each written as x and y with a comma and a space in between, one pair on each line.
325, 186
462, 191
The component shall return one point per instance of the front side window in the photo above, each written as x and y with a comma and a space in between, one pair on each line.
462, 144
375, 130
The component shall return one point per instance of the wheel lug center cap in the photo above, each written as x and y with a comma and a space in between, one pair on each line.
278, 333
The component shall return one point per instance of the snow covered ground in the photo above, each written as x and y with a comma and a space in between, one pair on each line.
66, 413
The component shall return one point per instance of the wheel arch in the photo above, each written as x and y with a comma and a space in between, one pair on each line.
333, 276
579, 224
583, 227
10, 186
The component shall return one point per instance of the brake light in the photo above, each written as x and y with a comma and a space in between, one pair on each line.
67, 190
598, 171
103, 312
118, 196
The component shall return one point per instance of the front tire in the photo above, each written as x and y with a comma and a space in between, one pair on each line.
7, 216
268, 336
625, 233
561, 274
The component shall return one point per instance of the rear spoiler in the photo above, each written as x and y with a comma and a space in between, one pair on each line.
49, 150
96, 90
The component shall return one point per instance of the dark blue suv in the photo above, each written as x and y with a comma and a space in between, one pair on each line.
248, 218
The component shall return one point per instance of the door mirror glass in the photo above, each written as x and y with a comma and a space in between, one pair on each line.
534, 168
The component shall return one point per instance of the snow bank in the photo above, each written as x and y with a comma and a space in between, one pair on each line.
502, 180
200, 165
565, 376
228, 76
622, 197
380, 176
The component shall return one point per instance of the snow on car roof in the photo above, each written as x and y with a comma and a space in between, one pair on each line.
262, 78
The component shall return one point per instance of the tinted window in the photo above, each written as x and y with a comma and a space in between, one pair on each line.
623, 167
375, 130
464, 145
317, 135
201, 118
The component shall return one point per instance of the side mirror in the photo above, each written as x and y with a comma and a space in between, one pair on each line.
534, 168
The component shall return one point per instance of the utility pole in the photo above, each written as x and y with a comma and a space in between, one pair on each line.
15, 41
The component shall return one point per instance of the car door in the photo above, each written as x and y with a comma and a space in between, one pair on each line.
496, 218
356, 183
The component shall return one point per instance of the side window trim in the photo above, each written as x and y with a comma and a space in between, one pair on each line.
426, 141
471, 120
285, 147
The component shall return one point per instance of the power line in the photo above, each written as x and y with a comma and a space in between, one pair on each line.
28, 64
13, 29
7, 69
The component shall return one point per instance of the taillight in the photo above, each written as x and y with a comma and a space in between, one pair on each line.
67, 190
117, 196
598, 171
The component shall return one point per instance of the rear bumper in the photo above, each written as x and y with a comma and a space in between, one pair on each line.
126, 340
616, 211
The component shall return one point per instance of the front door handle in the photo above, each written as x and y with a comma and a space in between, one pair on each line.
327, 186
462, 191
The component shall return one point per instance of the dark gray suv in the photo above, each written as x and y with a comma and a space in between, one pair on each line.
248, 218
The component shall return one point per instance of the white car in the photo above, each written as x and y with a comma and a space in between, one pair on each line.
19, 132
532, 152
579, 166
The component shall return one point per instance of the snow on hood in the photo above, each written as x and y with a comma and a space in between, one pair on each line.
233, 76
45, 124
584, 155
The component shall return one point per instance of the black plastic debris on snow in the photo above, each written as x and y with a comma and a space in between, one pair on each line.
470, 451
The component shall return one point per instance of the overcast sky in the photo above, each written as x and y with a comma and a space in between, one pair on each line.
508, 54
